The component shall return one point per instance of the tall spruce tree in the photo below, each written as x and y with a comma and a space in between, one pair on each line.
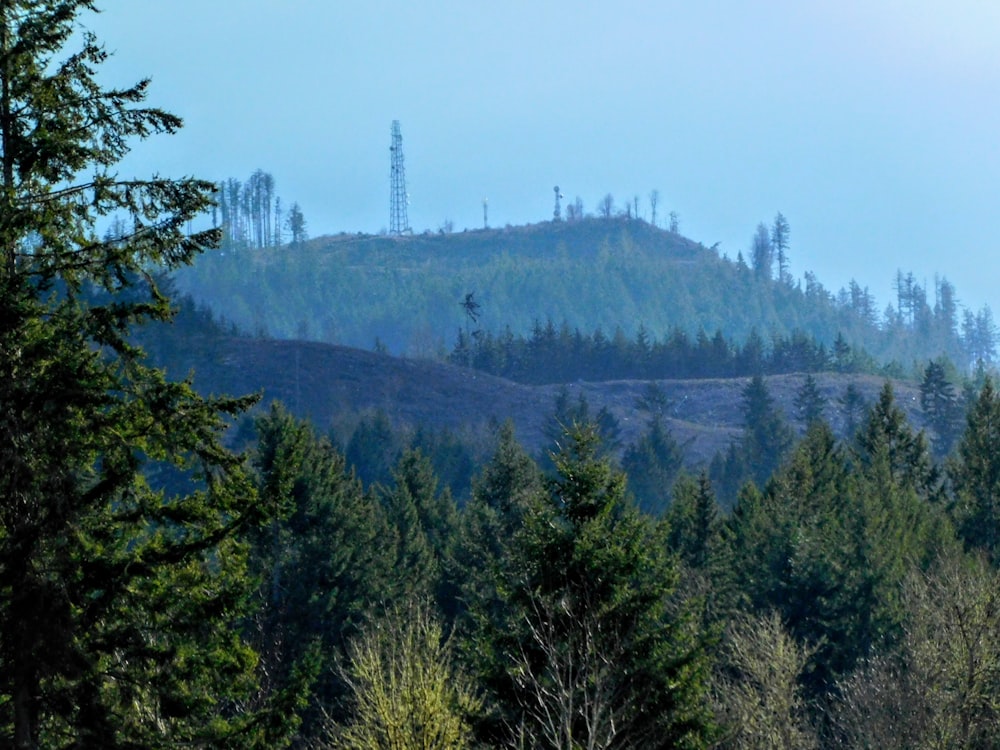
117, 597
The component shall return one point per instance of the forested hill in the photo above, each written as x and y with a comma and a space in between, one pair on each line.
623, 277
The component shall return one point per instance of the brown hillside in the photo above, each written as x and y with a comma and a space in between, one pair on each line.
325, 383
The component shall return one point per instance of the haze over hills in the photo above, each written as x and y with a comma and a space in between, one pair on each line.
620, 275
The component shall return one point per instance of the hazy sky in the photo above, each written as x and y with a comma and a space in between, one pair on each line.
873, 125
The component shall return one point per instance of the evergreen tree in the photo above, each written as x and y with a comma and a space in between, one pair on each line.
694, 522
779, 242
509, 488
118, 598
766, 436
975, 474
887, 436
323, 561
762, 252
425, 522
652, 465
809, 402
589, 651
940, 406
373, 449
296, 225
852, 404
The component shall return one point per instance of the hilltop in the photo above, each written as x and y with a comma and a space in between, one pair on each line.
404, 294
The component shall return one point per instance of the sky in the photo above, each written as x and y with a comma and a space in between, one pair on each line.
872, 125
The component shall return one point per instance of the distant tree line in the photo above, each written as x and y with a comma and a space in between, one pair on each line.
560, 355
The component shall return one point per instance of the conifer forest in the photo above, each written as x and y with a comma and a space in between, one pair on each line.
184, 565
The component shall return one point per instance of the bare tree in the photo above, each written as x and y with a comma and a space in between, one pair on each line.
606, 207
654, 199
941, 690
577, 683
756, 689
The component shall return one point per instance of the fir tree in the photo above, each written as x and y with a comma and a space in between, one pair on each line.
589, 650
118, 598
975, 474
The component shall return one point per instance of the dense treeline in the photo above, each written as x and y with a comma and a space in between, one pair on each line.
560, 355
824, 609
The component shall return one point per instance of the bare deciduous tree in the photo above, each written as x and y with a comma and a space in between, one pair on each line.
756, 688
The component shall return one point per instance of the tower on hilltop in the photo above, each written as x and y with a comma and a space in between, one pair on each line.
399, 223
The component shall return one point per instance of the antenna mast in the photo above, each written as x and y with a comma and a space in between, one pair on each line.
557, 213
399, 199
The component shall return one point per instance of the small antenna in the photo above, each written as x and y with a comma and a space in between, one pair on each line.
486, 205
557, 213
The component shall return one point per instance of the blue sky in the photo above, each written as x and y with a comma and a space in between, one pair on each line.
874, 127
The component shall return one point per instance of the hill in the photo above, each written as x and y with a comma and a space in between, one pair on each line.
328, 384
406, 293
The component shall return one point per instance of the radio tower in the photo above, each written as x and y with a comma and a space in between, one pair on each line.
398, 198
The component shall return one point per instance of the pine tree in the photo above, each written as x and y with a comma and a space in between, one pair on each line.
779, 241
118, 597
887, 436
767, 437
809, 402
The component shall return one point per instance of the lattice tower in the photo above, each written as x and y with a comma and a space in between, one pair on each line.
399, 223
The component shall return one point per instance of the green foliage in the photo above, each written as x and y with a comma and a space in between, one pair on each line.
975, 475
407, 693
940, 406
887, 441
694, 522
589, 649
652, 465
507, 490
355, 289
425, 522
828, 548
322, 562
764, 444
374, 448
97, 649
809, 402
